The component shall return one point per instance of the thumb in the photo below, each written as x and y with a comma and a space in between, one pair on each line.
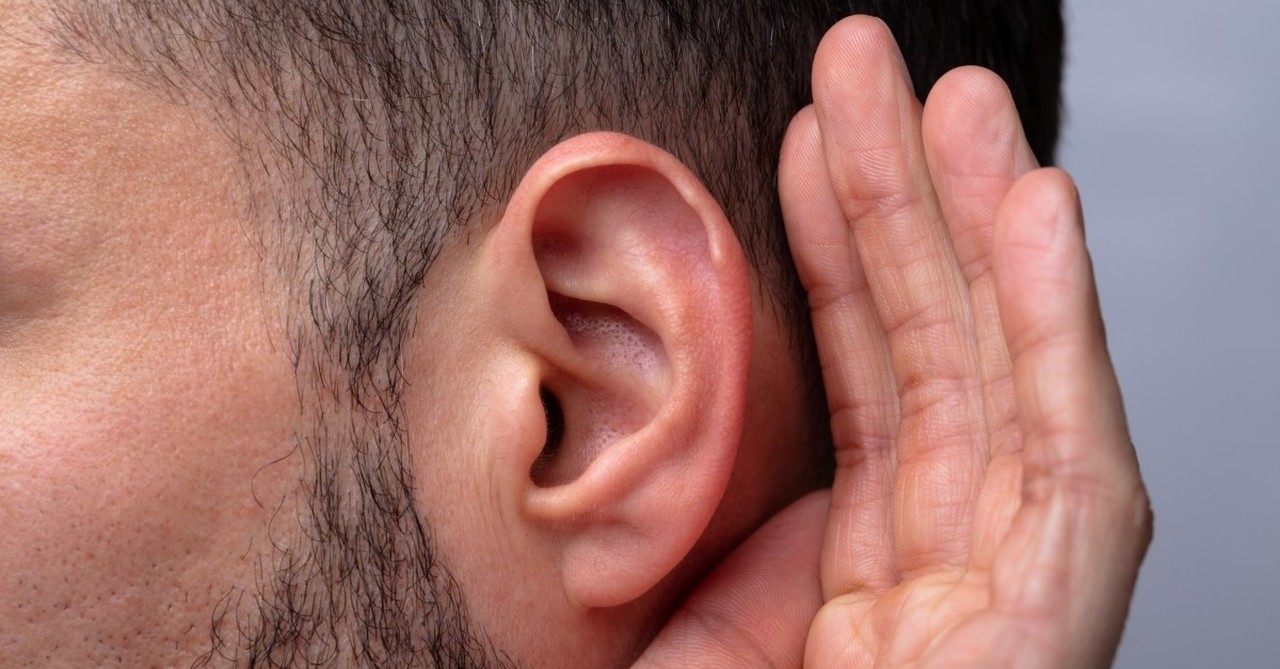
756, 607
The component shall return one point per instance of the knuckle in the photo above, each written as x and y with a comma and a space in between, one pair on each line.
923, 321
827, 292
881, 191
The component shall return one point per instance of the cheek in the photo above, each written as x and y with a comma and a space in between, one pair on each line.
147, 463
106, 499
146, 415
138, 477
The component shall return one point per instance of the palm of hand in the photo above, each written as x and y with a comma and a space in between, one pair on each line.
987, 509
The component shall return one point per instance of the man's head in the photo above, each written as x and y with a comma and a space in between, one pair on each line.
434, 333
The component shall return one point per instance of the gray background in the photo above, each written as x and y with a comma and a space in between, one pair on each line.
1171, 134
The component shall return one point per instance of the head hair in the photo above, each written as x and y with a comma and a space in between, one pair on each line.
374, 132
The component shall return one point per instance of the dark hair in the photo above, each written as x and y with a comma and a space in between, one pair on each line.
386, 128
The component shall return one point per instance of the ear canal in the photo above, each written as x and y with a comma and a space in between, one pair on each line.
554, 414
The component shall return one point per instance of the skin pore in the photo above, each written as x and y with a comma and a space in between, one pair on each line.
238, 433
226, 520
488, 284
123, 328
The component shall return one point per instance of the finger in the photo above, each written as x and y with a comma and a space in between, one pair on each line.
754, 610
1085, 522
976, 149
870, 124
858, 551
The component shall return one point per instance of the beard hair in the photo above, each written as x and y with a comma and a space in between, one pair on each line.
361, 582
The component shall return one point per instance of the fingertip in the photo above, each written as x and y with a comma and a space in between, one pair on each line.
979, 86
858, 30
1040, 217
802, 168
801, 144
845, 50
1044, 279
971, 124
816, 231
966, 96
813, 509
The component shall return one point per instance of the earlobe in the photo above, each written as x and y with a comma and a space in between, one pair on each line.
641, 326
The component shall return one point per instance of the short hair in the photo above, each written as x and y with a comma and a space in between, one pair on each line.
387, 128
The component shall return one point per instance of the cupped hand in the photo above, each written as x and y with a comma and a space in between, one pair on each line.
987, 509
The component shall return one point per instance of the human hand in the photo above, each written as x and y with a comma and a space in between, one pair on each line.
987, 509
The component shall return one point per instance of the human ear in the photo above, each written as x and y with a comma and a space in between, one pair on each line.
624, 301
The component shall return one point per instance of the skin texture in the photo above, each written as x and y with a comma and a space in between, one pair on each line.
1002, 484
144, 399
149, 456
659, 468
987, 510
